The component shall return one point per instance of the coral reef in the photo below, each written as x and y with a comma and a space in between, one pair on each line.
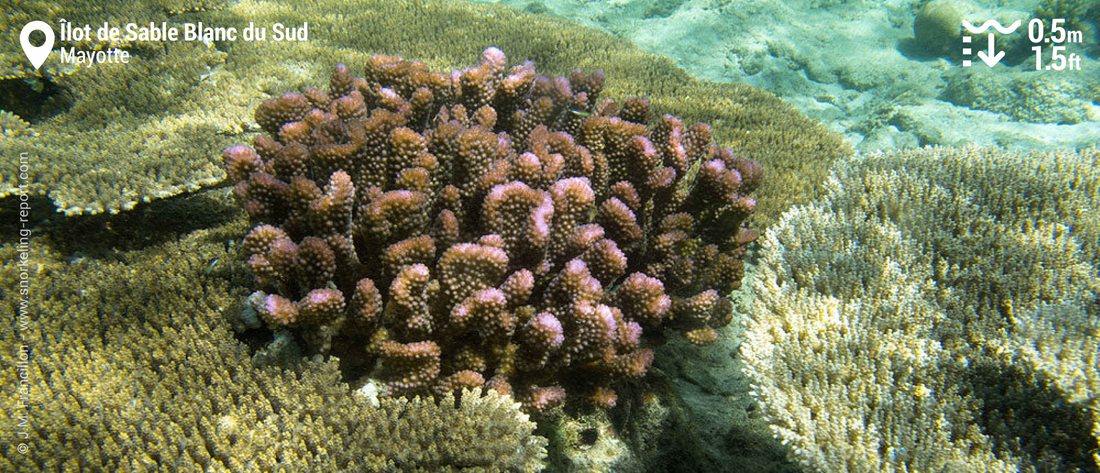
490, 227
937, 311
183, 103
109, 151
1028, 96
1075, 12
140, 371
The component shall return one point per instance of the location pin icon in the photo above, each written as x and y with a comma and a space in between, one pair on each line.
37, 54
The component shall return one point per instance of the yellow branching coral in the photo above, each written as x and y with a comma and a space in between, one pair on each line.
937, 311
140, 372
11, 125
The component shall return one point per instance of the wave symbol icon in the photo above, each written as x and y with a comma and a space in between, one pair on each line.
991, 23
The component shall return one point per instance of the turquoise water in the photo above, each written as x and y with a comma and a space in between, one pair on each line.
861, 68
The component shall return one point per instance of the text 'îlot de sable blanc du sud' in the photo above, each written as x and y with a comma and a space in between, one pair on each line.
163, 32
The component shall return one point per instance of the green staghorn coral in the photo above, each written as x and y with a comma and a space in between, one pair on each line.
211, 93
132, 367
937, 311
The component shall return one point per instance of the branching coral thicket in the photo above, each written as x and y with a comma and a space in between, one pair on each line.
490, 226
938, 311
139, 372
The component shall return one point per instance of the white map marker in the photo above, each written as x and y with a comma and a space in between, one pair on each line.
37, 54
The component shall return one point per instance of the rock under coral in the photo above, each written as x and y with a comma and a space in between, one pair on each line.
490, 226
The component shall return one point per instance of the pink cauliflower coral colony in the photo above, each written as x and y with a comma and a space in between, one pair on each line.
489, 227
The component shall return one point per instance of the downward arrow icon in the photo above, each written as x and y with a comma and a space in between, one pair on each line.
992, 56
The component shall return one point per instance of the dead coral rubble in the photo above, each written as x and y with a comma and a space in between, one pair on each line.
489, 226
